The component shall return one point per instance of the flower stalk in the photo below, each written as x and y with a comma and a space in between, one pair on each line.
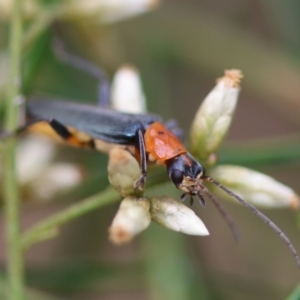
49, 227
15, 262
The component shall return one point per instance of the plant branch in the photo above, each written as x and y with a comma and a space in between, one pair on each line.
10, 184
49, 227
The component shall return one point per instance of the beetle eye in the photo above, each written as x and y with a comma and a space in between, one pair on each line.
177, 177
199, 172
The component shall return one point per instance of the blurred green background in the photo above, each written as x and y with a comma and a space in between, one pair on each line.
180, 48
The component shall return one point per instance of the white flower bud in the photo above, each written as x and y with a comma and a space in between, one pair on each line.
176, 216
106, 11
55, 180
132, 217
34, 155
256, 188
213, 118
126, 92
123, 171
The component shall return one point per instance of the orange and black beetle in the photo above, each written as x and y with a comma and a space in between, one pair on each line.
101, 128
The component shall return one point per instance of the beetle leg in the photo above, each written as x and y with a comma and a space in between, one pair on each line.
140, 145
86, 66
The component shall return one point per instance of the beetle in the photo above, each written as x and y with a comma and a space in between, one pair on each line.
99, 128
143, 135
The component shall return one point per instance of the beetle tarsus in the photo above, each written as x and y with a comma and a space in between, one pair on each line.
201, 199
183, 196
140, 183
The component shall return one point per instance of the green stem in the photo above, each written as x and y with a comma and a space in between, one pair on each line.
10, 190
48, 228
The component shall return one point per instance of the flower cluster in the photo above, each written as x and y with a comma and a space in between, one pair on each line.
207, 132
210, 125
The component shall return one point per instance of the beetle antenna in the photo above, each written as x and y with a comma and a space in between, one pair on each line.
263, 217
224, 213
201, 199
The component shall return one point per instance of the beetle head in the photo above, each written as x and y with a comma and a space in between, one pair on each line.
186, 172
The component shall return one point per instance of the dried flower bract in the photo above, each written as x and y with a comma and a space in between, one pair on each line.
232, 78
